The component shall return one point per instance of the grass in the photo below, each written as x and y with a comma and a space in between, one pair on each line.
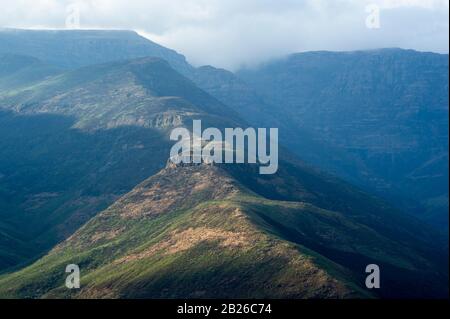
258, 265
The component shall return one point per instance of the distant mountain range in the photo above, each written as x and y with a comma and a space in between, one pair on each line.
381, 118
85, 118
74, 49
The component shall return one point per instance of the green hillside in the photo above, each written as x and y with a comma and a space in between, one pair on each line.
179, 234
73, 142
19, 71
197, 232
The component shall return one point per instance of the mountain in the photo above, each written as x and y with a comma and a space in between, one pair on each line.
188, 244
77, 140
83, 179
16, 71
74, 49
13, 247
197, 231
396, 145
381, 117
77, 48
70, 50
144, 90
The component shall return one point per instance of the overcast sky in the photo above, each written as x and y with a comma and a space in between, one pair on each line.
233, 33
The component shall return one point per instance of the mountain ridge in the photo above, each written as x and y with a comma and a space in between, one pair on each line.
77, 48
177, 214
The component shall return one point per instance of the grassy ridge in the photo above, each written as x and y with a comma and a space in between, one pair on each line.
196, 231
206, 248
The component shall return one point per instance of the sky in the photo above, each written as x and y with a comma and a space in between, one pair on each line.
236, 33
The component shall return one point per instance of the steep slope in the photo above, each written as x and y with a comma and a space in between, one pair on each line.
9, 237
70, 49
178, 234
381, 116
75, 141
145, 89
197, 231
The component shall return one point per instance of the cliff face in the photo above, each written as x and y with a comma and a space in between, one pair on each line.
378, 118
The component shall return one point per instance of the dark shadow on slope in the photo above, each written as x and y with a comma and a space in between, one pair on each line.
396, 282
54, 178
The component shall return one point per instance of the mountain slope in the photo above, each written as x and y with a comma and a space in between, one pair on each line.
75, 141
381, 116
197, 231
18, 71
9, 237
178, 235
144, 89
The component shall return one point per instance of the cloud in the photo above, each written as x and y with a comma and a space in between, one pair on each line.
233, 33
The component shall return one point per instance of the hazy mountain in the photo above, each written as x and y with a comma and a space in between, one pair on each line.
73, 49
18, 71
381, 117
78, 48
